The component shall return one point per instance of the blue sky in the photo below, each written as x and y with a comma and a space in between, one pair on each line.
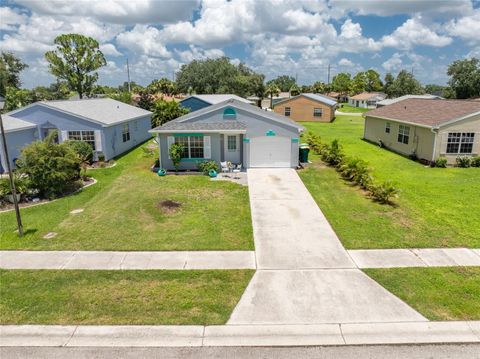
293, 37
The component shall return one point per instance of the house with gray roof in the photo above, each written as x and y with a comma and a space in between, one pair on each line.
390, 101
231, 131
110, 127
197, 102
310, 107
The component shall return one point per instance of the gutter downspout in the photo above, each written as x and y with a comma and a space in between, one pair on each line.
159, 152
435, 133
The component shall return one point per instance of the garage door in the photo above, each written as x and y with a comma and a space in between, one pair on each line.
270, 151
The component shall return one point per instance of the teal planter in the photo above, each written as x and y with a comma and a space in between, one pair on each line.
162, 172
212, 173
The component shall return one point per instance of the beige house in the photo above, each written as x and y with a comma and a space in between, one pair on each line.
308, 107
366, 99
428, 129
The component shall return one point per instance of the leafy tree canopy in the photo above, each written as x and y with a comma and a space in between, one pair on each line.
75, 60
465, 78
162, 85
164, 111
341, 82
283, 82
10, 69
406, 84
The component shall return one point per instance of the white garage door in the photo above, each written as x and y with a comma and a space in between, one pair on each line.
270, 151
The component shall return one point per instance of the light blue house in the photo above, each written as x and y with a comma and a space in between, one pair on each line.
197, 102
110, 127
232, 131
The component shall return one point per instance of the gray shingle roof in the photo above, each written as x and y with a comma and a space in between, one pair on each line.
202, 126
217, 98
406, 97
11, 124
313, 96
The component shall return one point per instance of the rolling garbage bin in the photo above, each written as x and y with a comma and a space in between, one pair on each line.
303, 154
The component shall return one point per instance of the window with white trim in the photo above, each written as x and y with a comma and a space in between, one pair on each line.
287, 112
403, 134
192, 146
126, 133
86, 136
460, 142
387, 127
232, 143
317, 112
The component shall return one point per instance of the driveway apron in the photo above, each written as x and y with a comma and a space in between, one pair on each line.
304, 275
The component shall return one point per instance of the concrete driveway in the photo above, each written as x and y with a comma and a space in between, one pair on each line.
304, 275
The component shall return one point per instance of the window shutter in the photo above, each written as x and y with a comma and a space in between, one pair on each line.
98, 140
170, 141
64, 135
476, 144
443, 142
207, 150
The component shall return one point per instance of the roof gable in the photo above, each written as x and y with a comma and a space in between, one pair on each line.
329, 101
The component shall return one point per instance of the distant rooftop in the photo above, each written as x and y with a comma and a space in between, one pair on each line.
389, 101
217, 98
368, 96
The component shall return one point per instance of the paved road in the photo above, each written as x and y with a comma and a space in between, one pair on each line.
304, 275
460, 351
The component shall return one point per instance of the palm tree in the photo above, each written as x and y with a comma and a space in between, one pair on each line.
272, 90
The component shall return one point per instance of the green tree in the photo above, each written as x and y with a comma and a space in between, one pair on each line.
124, 87
55, 91
122, 96
146, 100
358, 83
16, 98
162, 85
75, 60
435, 89
320, 87
465, 78
271, 91
388, 84
175, 152
164, 111
406, 84
10, 69
373, 83
294, 90
283, 82
341, 82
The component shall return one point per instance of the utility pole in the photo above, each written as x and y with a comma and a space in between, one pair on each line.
128, 75
328, 76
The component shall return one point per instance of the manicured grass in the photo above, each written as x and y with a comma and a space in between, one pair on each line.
437, 206
350, 109
122, 212
437, 293
120, 297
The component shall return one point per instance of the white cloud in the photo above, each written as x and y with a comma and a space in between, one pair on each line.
11, 19
345, 62
110, 50
144, 39
196, 53
394, 63
412, 32
467, 27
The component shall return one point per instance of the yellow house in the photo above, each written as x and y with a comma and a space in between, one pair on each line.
427, 128
307, 107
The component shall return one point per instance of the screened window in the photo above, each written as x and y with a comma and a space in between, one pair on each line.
460, 142
229, 113
317, 112
126, 133
287, 111
86, 136
403, 134
387, 127
192, 146
232, 143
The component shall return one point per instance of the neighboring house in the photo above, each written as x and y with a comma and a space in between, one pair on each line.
340, 97
428, 129
366, 99
265, 104
231, 131
197, 102
390, 101
110, 127
307, 107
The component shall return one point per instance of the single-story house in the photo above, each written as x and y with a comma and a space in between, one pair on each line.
390, 101
307, 107
340, 97
265, 104
428, 129
197, 102
231, 131
110, 127
366, 99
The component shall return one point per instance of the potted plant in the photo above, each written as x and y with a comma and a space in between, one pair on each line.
6, 191
175, 151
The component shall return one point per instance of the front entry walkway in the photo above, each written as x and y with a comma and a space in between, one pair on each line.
304, 275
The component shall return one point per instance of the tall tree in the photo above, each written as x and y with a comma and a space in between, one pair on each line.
388, 84
406, 84
320, 87
373, 82
465, 78
162, 85
165, 111
283, 82
358, 83
75, 60
294, 90
341, 82
146, 100
272, 90
10, 68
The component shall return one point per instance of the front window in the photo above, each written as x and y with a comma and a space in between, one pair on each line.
403, 134
287, 111
460, 142
86, 136
229, 113
192, 146
126, 133
317, 112
232, 143
387, 127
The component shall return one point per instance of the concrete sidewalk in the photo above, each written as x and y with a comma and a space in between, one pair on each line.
94, 260
239, 335
422, 257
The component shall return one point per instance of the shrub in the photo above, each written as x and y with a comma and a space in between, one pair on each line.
21, 185
206, 166
52, 168
314, 141
440, 163
175, 151
384, 192
356, 170
101, 157
82, 149
463, 161
333, 154
476, 161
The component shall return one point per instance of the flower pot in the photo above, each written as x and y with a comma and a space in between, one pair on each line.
10, 197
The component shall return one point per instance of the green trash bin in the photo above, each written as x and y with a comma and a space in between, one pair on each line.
303, 154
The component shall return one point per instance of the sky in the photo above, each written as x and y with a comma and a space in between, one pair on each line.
299, 38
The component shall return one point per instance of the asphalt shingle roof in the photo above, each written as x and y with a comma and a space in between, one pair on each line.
203, 126
390, 101
217, 98
426, 112
11, 124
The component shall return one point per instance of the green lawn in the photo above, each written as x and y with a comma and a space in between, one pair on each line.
122, 212
437, 293
437, 207
120, 297
350, 109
